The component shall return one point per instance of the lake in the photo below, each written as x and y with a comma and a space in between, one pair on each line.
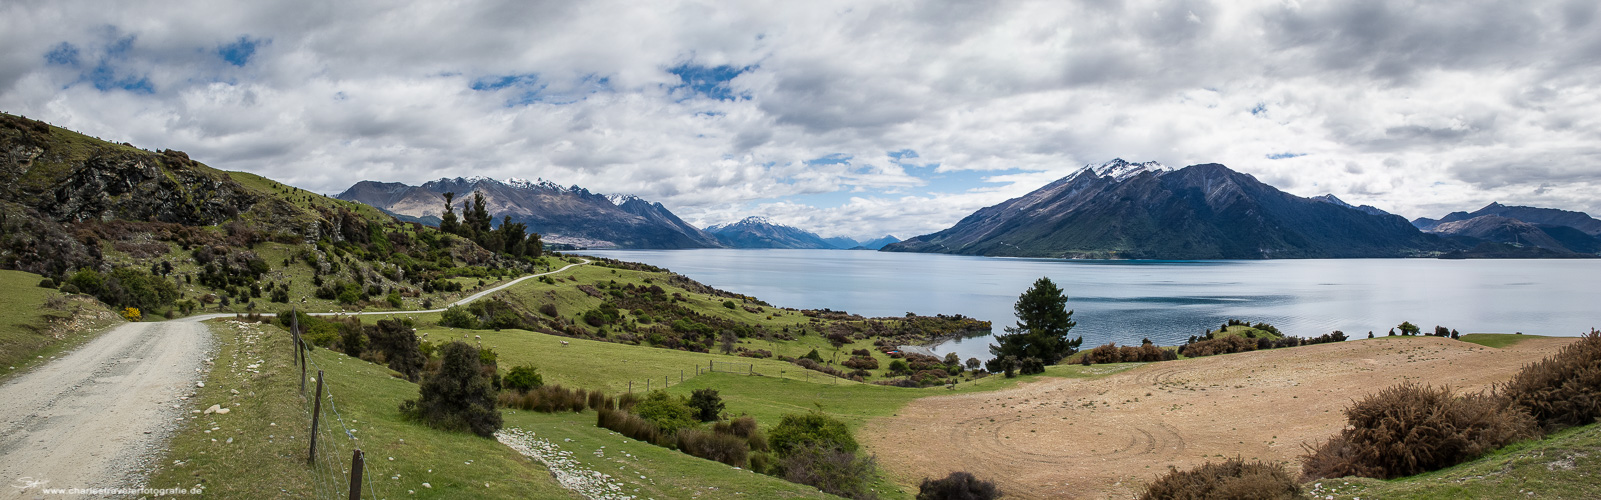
1166, 301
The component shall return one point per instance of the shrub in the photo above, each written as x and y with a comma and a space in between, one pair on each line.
458, 317
523, 378
832, 470
1563, 390
1410, 429
630, 425
47, 283
725, 448
861, 363
1234, 478
548, 310
457, 396
399, 346
899, 366
729, 304
707, 404
810, 429
957, 486
814, 356
670, 413
553, 399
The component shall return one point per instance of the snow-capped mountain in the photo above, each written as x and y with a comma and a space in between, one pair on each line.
570, 215
759, 232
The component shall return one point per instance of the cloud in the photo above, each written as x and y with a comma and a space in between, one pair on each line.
719, 109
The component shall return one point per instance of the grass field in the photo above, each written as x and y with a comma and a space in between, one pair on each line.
24, 341
1496, 340
269, 423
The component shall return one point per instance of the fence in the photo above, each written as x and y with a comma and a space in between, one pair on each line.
666, 381
330, 440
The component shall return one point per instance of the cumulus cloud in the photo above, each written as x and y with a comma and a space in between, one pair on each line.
845, 118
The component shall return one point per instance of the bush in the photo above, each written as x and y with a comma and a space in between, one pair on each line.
745, 428
814, 356
131, 314
458, 396
1234, 478
1409, 429
554, 399
811, 429
523, 378
670, 413
458, 317
835, 471
548, 310
707, 404
957, 486
725, 448
1563, 390
47, 283
399, 346
861, 363
630, 425
729, 304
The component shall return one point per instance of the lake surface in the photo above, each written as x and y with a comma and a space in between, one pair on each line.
1166, 301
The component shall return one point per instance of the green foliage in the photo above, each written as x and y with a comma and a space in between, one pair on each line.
814, 356
523, 378
729, 304
670, 413
1408, 429
835, 471
458, 317
1407, 328
815, 429
706, 403
458, 396
1042, 328
1563, 390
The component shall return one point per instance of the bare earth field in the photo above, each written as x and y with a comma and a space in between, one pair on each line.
1108, 437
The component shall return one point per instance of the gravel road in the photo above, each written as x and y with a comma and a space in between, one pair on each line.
94, 417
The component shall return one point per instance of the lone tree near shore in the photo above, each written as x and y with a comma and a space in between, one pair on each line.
1042, 327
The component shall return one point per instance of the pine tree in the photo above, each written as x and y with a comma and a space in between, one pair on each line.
447, 222
1043, 324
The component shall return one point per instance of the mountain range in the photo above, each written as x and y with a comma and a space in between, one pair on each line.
1560, 232
562, 215
1121, 209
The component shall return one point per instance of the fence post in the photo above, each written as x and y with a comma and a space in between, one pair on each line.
316, 411
630, 387
753, 368
681, 376
647, 384
356, 463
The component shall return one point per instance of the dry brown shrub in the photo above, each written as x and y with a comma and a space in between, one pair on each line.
1232, 479
1563, 390
725, 448
1409, 429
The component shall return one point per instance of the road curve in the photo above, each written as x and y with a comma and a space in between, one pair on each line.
97, 415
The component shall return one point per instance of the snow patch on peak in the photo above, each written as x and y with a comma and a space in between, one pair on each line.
620, 199
1331, 199
537, 183
1120, 170
757, 219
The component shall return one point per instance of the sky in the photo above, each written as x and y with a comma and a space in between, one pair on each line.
857, 118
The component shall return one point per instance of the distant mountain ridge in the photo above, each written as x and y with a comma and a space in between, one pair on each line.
1558, 231
759, 232
563, 215
1121, 209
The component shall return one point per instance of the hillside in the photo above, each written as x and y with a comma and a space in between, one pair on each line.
1518, 232
759, 232
1532, 215
1144, 211
171, 236
562, 215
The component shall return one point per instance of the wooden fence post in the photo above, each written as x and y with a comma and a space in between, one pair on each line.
630, 387
316, 411
356, 463
647, 384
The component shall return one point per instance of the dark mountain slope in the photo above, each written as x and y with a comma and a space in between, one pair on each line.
1199, 212
570, 215
758, 232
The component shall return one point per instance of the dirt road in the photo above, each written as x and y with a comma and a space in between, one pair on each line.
95, 416
1107, 437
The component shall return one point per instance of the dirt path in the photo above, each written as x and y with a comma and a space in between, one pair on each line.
1106, 438
93, 417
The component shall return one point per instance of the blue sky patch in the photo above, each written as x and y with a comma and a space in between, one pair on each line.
239, 52
833, 159
63, 54
709, 81
1259, 109
1284, 156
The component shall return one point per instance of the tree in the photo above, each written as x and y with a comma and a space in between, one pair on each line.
523, 378
1042, 327
448, 222
957, 486
727, 340
458, 396
706, 403
810, 429
1407, 328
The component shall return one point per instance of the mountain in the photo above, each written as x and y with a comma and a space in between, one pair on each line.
1148, 211
841, 243
1368, 209
758, 232
1513, 232
878, 244
562, 215
1540, 216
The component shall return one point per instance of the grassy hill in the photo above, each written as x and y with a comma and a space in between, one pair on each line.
36, 322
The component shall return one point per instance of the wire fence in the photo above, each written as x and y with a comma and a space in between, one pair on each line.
334, 455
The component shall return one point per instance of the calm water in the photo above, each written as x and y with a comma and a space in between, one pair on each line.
1167, 301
